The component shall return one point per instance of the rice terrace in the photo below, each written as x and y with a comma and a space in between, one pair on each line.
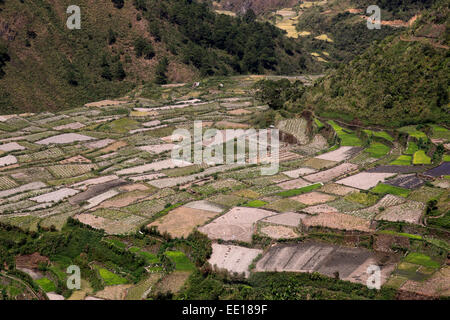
356, 208
333, 218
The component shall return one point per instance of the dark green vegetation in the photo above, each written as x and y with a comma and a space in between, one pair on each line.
44, 65
79, 245
298, 191
383, 189
276, 94
400, 9
400, 80
279, 286
255, 203
349, 34
441, 222
4, 58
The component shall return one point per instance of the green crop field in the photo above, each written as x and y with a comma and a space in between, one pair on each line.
402, 160
255, 203
318, 123
110, 278
366, 199
412, 148
379, 134
46, 284
421, 259
149, 257
296, 192
403, 234
420, 157
382, 189
413, 132
378, 150
347, 137
182, 263
440, 132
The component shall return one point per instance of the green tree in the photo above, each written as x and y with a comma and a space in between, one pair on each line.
161, 70
4, 57
111, 37
143, 48
118, 3
120, 72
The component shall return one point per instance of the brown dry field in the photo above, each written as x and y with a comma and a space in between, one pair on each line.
173, 282
279, 232
291, 219
238, 112
410, 211
30, 261
232, 258
105, 103
90, 219
181, 221
75, 159
334, 220
293, 184
333, 173
337, 189
127, 225
319, 208
319, 164
231, 125
123, 200
114, 292
236, 224
437, 285
134, 187
114, 147
96, 190
313, 198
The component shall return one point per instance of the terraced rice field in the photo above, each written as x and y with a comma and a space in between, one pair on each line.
295, 127
237, 224
331, 174
234, 259
410, 211
278, 232
64, 138
7, 183
365, 180
113, 171
420, 157
182, 221
350, 263
313, 198
337, 221
347, 137
403, 160
341, 154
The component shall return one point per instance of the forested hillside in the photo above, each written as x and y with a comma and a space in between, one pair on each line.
258, 6
337, 31
400, 80
121, 43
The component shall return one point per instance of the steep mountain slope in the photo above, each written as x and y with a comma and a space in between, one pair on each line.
258, 6
335, 31
401, 80
46, 66
332, 31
